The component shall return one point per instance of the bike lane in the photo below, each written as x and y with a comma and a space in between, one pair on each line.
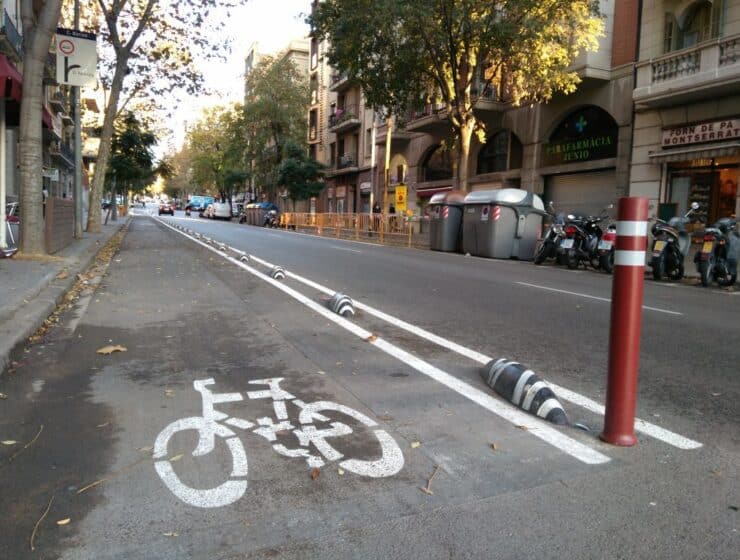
185, 316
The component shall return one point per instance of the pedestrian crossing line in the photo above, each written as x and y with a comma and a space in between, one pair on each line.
533, 425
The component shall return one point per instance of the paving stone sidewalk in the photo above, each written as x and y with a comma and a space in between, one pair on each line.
30, 289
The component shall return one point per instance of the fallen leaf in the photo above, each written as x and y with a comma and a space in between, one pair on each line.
339, 363
9, 442
522, 427
3, 396
315, 473
103, 425
145, 449
494, 447
426, 490
372, 338
340, 472
171, 534
62, 275
64, 521
415, 444
321, 372
176, 458
110, 349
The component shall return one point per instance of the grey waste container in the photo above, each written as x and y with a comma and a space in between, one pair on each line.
445, 221
502, 224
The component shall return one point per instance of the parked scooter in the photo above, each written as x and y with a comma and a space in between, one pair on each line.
548, 245
717, 259
271, 219
582, 236
607, 247
671, 244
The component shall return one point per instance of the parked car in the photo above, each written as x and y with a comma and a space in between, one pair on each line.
166, 208
218, 210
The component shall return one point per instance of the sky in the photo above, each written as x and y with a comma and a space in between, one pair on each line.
270, 23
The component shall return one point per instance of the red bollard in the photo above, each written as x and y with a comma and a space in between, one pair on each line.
626, 316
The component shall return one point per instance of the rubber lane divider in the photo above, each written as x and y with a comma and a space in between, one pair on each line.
642, 426
533, 425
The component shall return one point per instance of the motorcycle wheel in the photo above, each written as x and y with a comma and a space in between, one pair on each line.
606, 261
658, 266
726, 279
706, 269
540, 254
572, 259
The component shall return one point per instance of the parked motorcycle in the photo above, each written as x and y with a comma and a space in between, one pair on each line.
717, 259
607, 247
271, 219
548, 245
582, 236
671, 244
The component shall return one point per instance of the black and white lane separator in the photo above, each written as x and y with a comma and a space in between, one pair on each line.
523, 388
277, 273
342, 305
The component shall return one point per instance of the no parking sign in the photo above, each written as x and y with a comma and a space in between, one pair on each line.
77, 57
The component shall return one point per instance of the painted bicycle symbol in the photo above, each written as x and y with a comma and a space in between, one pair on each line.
214, 424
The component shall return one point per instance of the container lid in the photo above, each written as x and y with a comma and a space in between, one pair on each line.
454, 198
511, 197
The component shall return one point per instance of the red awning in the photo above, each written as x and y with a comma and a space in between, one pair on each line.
11, 81
425, 193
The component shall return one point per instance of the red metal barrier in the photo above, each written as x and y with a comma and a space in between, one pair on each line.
626, 316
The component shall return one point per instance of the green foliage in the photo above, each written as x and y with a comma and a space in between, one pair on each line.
519, 50
299, 174
132, 159
215, 147
274, 115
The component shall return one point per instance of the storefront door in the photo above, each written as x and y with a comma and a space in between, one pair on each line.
713, 185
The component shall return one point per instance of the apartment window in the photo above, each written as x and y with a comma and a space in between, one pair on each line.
369, 142
333, 154
699, 22
438, 165
501, 152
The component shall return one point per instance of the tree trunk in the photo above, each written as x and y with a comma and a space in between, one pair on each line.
466, 135
36, 42
96, 189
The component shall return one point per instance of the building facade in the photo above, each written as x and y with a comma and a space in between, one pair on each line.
687, 107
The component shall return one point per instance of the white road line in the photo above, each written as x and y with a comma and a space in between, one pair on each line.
345, 249
597, 298
535, 426
640, 425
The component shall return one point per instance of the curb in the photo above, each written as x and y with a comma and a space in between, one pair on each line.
16, 329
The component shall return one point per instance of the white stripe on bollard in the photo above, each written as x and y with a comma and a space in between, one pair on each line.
629, 258
632, 229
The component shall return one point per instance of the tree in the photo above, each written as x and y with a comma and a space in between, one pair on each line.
150, 52
39, 23
275, 114
216, 145
520, 48
132, 163
301, 175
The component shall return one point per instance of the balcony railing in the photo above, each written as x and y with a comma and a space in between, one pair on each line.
344, 115
347, 160
710, 65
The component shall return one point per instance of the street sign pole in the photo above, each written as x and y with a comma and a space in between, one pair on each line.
78, 142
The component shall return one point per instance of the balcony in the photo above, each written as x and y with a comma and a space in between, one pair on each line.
339, 82
57, 101
488, 98
399, 136
344, 119
63, 152
708, 70
11, 41
431, 119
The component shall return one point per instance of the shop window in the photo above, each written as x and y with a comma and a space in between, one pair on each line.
501, 152
700, 22
437, 166
711, 184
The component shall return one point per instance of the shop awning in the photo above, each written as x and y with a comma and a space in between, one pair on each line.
11, 80
702, 151
426, 193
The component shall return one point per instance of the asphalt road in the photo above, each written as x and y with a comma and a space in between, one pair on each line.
391, 408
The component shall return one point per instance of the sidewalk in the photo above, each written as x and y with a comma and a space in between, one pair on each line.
30, 290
